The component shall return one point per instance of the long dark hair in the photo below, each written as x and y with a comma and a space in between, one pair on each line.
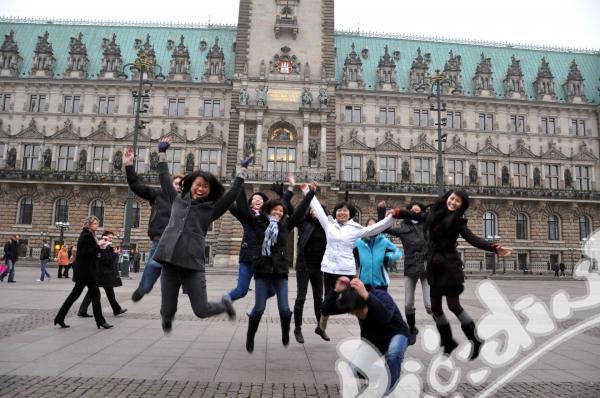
439, 213
270, 204
216, 188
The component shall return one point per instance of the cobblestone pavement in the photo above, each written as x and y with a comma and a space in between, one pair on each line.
206, 358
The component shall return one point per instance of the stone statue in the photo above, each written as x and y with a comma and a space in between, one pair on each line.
323, 97
405, 171
47, 159
307, 98
11, 158
249, 146
82, 160
313, 150
370, 169
189, 163
568, 179
473, 174
244, 96
505, 176
118, 161
537, 178
261, 96
262, 68
154, 161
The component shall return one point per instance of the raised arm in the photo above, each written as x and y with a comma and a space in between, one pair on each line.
225, 201
296, 219
137, 186
381, 210
242, 209
475, 240
377, 228
163, 169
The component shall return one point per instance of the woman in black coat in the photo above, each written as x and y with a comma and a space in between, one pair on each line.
181, 246
107, 268
444, 222
271, 266
84, 274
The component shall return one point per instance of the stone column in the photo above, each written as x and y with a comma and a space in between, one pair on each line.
323, 148
241, 133
305, 142
261, 145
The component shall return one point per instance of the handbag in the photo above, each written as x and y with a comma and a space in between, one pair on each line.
3, 268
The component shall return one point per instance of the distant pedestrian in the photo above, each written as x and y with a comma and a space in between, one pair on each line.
135, 259
44, 259
62, 259
562, 269
72, 252
555, 269
11, 255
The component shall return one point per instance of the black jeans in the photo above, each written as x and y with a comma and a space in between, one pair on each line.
93, 291
194, 283
316, 283
63, 271
110, 295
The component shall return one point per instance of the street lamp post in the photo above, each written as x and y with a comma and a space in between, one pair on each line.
496, 238
62, 226
438, 80
144, 66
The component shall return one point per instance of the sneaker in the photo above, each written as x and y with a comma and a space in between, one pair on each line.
39, 280
137, 296
12, 281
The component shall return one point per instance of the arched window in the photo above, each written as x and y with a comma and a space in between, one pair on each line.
489, 225
522, 226
281, 152
97, 209
553, 227
61, 210
585, 227
25, 211
135, 214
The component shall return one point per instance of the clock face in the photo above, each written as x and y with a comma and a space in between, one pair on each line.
284, 66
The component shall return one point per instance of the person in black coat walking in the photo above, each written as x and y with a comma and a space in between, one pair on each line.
181, 247
107, 274
271, 267
44, 259
11, 256
411, 234
160, 211
444, 222
84, 274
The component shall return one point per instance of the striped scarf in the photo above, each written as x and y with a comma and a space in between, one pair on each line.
270, 236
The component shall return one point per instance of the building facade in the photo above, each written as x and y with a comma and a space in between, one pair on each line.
352, 111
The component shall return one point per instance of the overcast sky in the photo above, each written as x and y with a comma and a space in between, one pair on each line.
572, 23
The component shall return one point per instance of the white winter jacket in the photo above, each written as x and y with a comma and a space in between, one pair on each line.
338, 258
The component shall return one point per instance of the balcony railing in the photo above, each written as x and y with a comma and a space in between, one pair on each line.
71, 176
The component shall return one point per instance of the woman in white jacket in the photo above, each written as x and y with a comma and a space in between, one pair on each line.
342, 233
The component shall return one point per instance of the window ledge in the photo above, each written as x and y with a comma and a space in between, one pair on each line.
562, 242
28, 226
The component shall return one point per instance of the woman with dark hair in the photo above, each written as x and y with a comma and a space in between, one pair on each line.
271, 228
342, 233
444, 222
181, 246
410, 233
84, 273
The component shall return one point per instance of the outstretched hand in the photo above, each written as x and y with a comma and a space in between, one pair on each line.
503, 251
381, 204
291, 180
244, 163
164, 144
129, 157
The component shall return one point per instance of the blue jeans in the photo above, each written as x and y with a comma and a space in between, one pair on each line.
151, 271
245, 274
10, 270
263, 287
394, 357
43, 265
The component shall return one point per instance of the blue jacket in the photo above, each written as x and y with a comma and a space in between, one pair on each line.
370, 255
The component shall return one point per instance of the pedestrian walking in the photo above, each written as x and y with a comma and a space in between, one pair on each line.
72, 257
562, 269
62, 259
555, 268
84, 274
44, 259
11, 256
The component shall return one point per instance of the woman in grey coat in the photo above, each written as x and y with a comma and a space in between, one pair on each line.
181, 246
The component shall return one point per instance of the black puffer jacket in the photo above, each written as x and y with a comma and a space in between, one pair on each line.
107, 268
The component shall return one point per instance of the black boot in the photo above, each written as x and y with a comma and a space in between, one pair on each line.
446, 338
410, 319
298, 325
286, 319
471, 333
253, 322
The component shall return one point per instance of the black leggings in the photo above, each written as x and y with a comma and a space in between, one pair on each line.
110, 295
316, 282
74, 295
453, 305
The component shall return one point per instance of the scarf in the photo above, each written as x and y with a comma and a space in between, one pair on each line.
270, 236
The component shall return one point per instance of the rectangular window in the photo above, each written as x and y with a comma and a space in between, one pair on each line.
106, 105
145, 105
548, 125
212, 108
422, 171
101, 159
352, 167
66, 158
2, 158
486, 121
551, 174
578, 127
517, 123
387, 116
71, 103
387, 169
5, 102
140, 160
176, 107
454, 120
488, 174
37, 103
456, 172
31, 155
582, 178
174, 160
353, 114
280, 161
420, 118
520, 174
209, 160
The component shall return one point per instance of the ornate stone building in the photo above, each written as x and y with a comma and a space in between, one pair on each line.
349, 110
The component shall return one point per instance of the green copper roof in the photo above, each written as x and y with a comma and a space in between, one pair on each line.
27, 32
588, 62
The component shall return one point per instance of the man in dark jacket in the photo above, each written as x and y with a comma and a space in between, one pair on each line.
380, 320
11, 255
160, 213
44, 259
